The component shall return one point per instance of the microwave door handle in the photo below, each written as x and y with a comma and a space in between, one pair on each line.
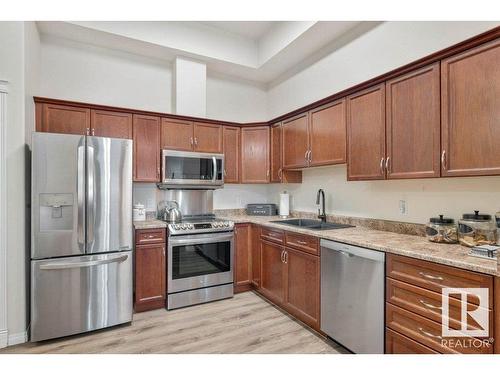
214, 161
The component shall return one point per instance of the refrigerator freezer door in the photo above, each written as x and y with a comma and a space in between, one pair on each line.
57, 195
80, 294
109, 195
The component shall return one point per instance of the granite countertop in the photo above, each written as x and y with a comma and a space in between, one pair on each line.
394, 243
150, 224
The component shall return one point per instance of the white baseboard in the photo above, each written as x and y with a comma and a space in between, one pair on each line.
17, 338
3, 339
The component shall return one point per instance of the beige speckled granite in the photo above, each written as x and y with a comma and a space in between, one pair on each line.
150, 224
394, 243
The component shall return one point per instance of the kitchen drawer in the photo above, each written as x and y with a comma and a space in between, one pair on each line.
427, 303
396, 343
302, 242
428, 333
434, 277
274, 235
149, 236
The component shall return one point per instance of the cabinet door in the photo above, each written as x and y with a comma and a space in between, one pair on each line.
255, 155
64, 119
276, 153
177, 135
231, 146
327, 134
470, 97
243, 268
413, 124
146, 132
272, 274
150, 277
111, 124
295, 141
255, 244
302, 291
207, 137
366, 134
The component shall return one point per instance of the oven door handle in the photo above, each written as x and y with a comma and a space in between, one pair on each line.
195, 239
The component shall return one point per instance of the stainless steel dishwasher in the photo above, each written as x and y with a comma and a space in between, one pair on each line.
352, 296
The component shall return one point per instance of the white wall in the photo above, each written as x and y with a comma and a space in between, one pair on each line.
190, 88
80, 72
383, 48
231, 99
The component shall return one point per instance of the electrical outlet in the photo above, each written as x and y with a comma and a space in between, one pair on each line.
403, 209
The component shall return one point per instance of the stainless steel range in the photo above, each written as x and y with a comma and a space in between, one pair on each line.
200, 253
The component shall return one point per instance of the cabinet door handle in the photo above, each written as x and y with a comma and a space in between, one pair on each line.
305, 155
286, 257
196, 141
387, 165
280, 173
225, 173
310, 156
429, 306
424, 332
282, 256
382, 166
88, 131
443, 160
430, 277
191, 140
267, 173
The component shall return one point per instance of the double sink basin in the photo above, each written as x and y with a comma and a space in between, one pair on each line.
311, 224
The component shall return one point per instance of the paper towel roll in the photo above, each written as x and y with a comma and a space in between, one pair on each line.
284, 204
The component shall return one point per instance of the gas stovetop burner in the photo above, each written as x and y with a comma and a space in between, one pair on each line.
200, 225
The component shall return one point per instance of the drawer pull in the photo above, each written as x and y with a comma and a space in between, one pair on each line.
151, 236
302, 242
424, 332
429, 306
430, 277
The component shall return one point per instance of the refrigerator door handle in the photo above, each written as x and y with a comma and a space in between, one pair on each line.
91, 263
80, 195
90, 194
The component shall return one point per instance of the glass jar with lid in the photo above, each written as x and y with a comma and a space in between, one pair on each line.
441, 230
476, 229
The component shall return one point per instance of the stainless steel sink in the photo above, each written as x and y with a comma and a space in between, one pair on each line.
311, 224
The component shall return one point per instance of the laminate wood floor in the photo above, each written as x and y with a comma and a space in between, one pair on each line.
244, 324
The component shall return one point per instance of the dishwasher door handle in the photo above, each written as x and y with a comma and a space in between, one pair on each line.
353, 251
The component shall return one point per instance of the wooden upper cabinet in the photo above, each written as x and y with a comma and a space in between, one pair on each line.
470, 99
177, 135
413, 124
366, 134
146, 135
295, 141
255, 154
327, 134
111, 124
231, 148
207, 137
55, 118
276, 152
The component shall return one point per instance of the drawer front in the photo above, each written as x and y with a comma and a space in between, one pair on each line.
434, 277
302, 242
428, 333
149, 236
274, 235
396, 343
427, 303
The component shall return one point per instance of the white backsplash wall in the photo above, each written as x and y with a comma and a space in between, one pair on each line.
381, 199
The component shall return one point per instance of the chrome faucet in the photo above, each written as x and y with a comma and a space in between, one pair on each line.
321, 211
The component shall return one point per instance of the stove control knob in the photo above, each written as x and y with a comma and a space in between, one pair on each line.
176, 227
215, 225
226, 224
183, 227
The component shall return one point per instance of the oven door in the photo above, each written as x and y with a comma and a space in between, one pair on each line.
200, 260
192, 169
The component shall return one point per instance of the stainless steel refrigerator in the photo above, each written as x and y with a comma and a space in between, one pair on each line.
81, 234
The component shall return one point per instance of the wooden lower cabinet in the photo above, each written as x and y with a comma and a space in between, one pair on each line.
396, 343
272, 274
242, 258
255, 256
302, 289
150, 277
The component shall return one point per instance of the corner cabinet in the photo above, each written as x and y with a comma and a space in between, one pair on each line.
278, 174
255, 155
470, 99
366, 134
146, 135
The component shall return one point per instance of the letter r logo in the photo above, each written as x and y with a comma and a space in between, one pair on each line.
480, 314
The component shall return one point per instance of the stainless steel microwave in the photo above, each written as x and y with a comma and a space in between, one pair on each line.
184, 169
